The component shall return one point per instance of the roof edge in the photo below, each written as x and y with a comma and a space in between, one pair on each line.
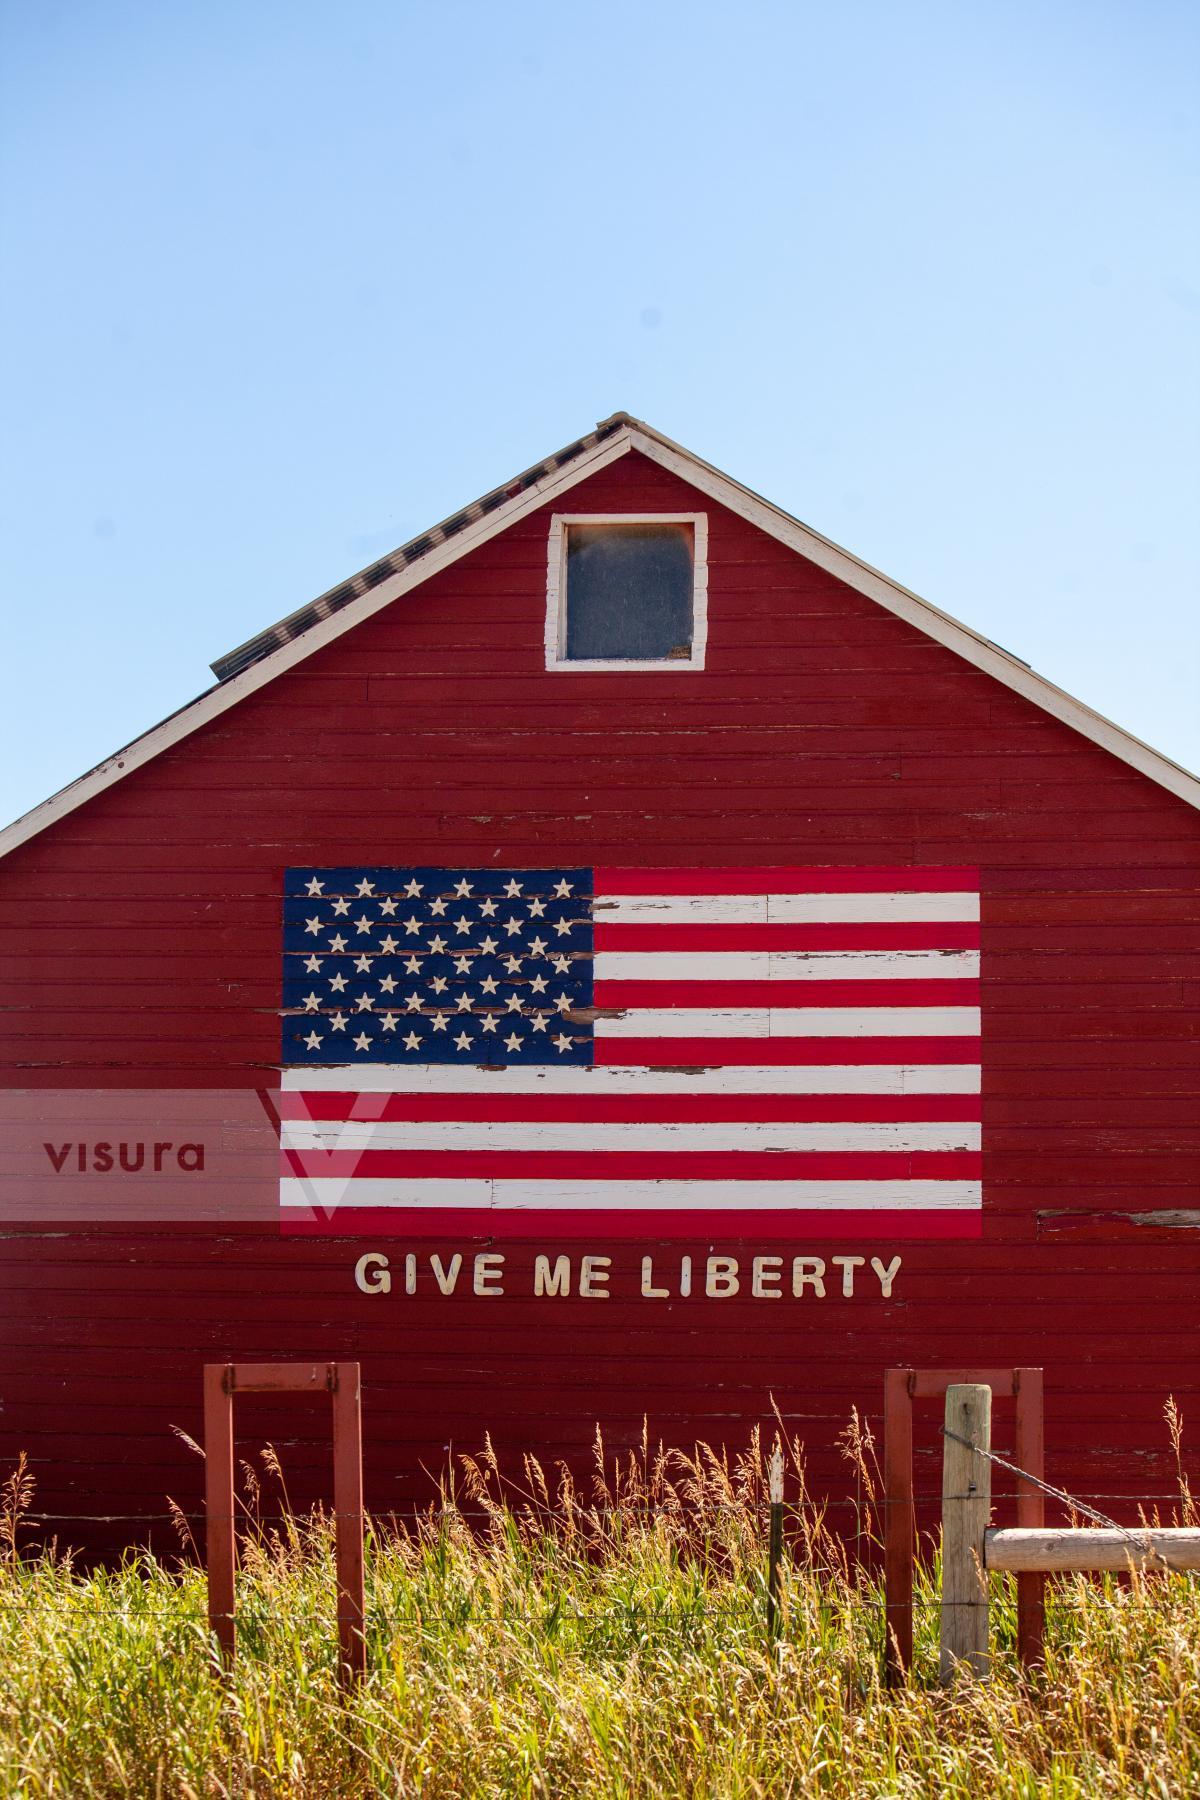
241, 672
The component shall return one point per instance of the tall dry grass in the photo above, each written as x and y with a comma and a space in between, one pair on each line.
530, 1638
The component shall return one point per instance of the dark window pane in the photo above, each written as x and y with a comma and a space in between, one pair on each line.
629, 591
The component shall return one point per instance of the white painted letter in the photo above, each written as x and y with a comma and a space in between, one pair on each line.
886, 1276
371, 1273
593, 1277
488, 1269
649, 1291
551, 1281
764, 1270
447, 1279
721, 1277
808, 1271
848, 1264
410, 1273
685, 1276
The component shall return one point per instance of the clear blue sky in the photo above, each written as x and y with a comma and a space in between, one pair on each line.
283, 284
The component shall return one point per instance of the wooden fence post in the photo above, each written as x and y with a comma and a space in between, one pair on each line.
966, 1509
220, 1544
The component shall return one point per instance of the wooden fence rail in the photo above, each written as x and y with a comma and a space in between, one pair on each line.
971, 1548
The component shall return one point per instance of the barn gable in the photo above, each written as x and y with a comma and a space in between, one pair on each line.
270, 653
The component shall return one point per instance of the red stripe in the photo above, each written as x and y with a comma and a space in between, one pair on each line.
955, 935
709, 1053
634, 1109
632, 1165
548, 1227
870, 879
897, 992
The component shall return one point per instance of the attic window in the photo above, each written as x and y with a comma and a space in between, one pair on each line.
627, 591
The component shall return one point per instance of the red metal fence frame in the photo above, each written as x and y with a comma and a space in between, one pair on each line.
900, 1388
342, 1381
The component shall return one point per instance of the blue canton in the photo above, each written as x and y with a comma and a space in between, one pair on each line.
422, 965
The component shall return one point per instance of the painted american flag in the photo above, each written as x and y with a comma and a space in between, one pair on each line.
783, 1049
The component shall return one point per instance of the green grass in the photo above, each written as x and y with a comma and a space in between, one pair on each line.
608, 1643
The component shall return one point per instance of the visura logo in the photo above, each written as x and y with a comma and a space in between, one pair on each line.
127, 1157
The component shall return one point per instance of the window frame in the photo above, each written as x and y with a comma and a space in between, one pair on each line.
556, 594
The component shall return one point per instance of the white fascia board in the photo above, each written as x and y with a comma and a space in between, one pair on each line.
927, 618
719, 487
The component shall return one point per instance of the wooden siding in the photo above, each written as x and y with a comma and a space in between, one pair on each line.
140, 947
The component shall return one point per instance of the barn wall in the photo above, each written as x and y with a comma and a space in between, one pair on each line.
141, 948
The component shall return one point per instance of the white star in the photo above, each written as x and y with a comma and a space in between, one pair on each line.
512, 1042
338, 983
489, 984
539, 1021
487, 907
462, 965
488, 1021
413, 965
439, 984
315, 886
437, 945
313, 963
562, 927
365, 1003
562, 1042
312, 1040
411, 927
388, 1021
536, 908
362, 1041
463, 888
562, 964
411, 1041
312, 1003
439, 1021
412, 890
341, 908
538, 984
464, 1003
388, 985
362, 923
463, 1041
512, 964
514, 1003
513, 927
562, 889
387, 906
563, 1003
387, 944
338, 1021
537, 946
413, 1003
312, 926
512, 888
337, 942
364, 888
363, 965
488, 945
437, 907
462, 925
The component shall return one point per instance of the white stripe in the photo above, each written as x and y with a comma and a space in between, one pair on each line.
785, 909
625, 1196
786, 965
791, 1021
445, 1078
545, 1134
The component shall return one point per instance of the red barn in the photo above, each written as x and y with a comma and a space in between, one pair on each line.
618, 958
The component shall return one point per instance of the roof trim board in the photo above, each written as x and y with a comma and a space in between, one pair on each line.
320, 623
